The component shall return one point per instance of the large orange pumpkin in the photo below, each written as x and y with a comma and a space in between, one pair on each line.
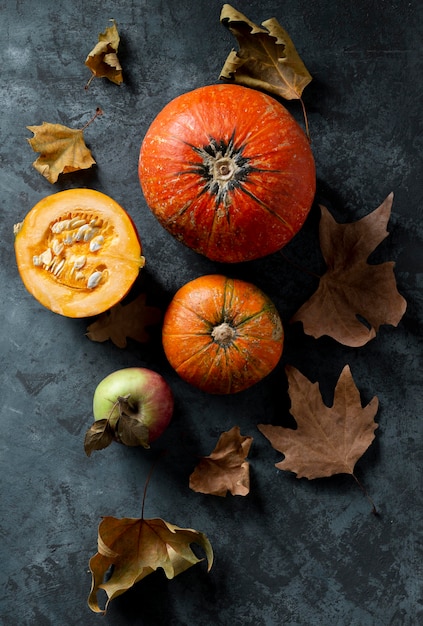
221, 334
228, 171
78, 252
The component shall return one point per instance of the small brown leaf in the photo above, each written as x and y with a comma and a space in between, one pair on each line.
98, 437
103, 60
226, 468
124, 322
124, 425
267, 58
136, 547
353, 298
62, 150
328, 440
131, 431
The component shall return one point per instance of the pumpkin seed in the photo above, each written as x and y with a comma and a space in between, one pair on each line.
76, 222
53, 264
79, 262
36, 260
96, 243
94, 279
80, 235
90, 234
57, 246
59, 227
46, 257
58, 268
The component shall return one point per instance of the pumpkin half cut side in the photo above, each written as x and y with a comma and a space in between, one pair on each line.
222, 335
228, 171
78, 252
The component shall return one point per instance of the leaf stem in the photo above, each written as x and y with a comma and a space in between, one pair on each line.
97, 113
150, 473
363, 489
89, 81
307, 128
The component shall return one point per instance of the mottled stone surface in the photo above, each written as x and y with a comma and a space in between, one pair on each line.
294, 552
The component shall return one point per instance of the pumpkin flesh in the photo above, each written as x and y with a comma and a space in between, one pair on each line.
78, 252
222, 335
228, 171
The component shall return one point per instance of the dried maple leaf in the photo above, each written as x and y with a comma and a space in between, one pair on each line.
353, 298
267, 58
125, 321
136, 547
62, 149
103, 59
328, 440
225, 468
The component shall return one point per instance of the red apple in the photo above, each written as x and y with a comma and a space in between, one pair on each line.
133, 406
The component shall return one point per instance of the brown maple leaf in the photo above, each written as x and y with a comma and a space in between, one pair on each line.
354, 297
136, 547
225, 469
62, 149
328, 440
124, 322
103, 59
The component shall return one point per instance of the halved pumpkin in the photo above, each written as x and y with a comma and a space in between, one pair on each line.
78, 252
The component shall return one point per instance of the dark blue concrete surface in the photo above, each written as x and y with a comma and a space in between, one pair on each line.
294, 552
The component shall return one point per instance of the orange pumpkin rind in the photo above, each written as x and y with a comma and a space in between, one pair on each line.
228, 172
222, 335
78, 252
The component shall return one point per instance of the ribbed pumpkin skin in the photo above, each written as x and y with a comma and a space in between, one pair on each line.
228, 172
203, 305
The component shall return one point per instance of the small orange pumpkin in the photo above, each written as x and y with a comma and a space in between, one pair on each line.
222, 335
78, 252
228, 171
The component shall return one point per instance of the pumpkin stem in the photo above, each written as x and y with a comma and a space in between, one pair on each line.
223, 334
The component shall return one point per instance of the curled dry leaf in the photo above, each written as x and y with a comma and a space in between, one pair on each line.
226, 468
99, 436
135, 548
103, 59
354, 297
124, 322
328, 440
127, 427
62, 150
267, 58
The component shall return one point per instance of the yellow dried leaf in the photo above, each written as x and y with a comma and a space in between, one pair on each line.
103, 59
136, 547
62, 150
267, 58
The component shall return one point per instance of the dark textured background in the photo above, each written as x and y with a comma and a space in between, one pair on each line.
294, 552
